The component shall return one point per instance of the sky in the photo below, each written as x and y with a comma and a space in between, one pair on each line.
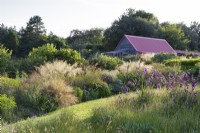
62, 16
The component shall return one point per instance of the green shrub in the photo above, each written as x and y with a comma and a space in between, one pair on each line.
28, 64
96, 90
69, 55
5, 57
6, 107
159, 58
6, 103
173, 62
106, 62
47, 51
186, 65
79, 93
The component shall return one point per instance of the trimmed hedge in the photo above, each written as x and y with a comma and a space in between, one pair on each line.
160, 58
186, 65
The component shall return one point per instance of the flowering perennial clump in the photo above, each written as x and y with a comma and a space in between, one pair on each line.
181, 87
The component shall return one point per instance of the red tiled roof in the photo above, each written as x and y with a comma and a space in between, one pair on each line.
149, 45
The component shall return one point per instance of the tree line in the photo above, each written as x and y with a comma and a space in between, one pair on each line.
131, 22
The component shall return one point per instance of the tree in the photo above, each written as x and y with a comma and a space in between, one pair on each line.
132, 22
82, 39
5, 57
32, 36
9, 37
193, 33
57, 41
174, 34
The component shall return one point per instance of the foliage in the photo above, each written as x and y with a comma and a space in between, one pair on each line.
6, 103
60, 92
49, 53
190, 65
9, 38
114, 115
106, 62
69, 55
193, 33
32, 36
139, 23
80, 40
172, 62
160, 58
57, 70
57, 41
5, 57
174, 35
96, 90
92, 85
79, 93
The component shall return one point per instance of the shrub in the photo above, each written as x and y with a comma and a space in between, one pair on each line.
58, 70
28, 65
79, 93
173, 62
6, 103
6, 106
106, 62
69, 55
47, 51
5, 57
160, 58
58, 90
96, 90
87, 78
190, 65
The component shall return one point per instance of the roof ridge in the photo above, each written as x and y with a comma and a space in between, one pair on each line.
145, 37
130, 42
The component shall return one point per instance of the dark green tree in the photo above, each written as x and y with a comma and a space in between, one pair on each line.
9, 37
174, 35
139, 23
33, 35
193, 33
57, 41
86, 39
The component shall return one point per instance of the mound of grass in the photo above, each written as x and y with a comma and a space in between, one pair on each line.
144, 112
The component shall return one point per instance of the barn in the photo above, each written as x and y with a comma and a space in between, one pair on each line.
135, 44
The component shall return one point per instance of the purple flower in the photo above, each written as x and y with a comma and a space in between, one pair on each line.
135, 81
194, 83
145, 71
130, 84
124, 87
158, 85
149, 81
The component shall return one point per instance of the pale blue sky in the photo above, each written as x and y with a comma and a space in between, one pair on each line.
61, 16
